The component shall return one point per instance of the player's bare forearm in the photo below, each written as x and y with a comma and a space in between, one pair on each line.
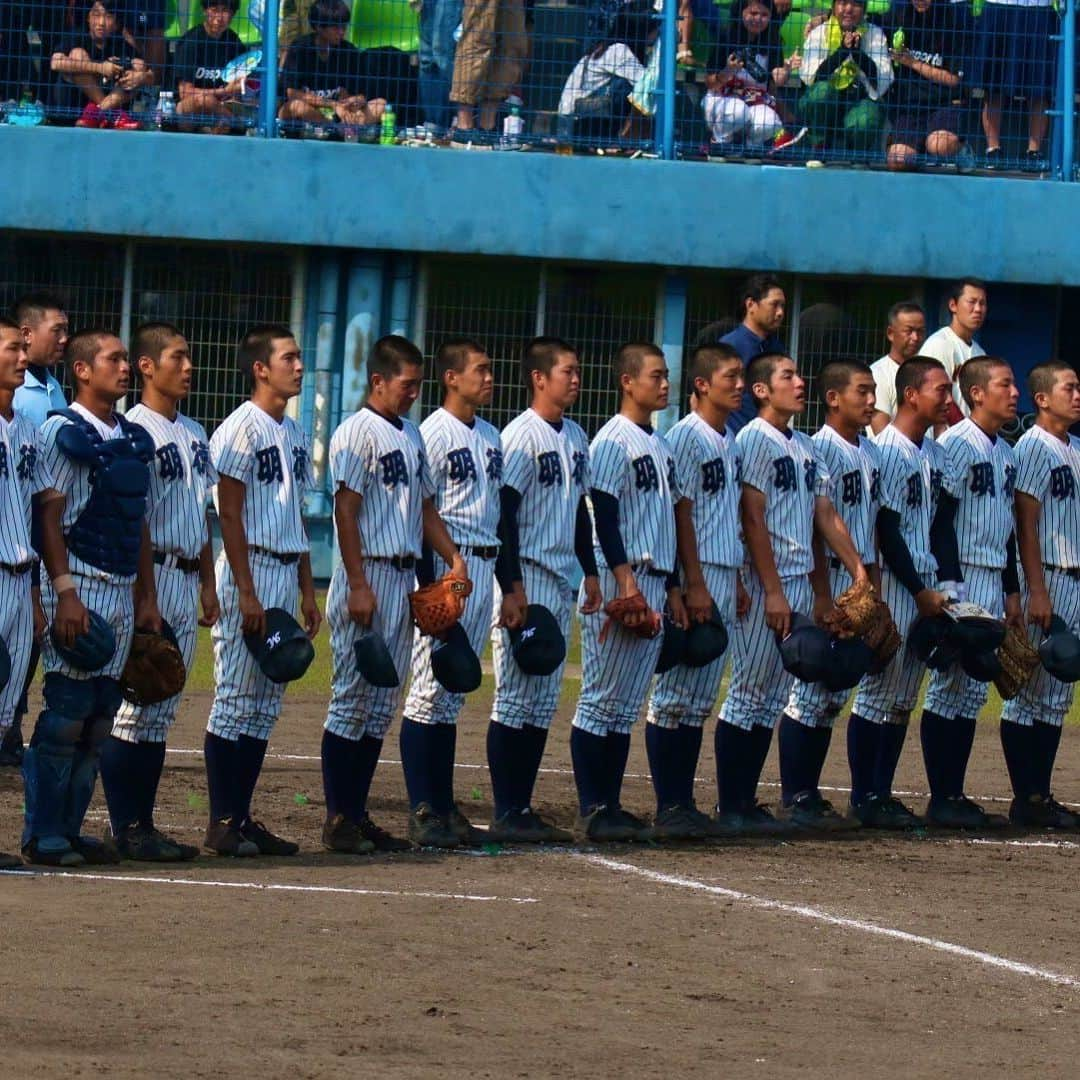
438, 537
625, 582
145, 585
1029, 551
819, 575
309, 608
758, 541
834, 532
346, 519
698, 600
231, 519
53, 549
874, 573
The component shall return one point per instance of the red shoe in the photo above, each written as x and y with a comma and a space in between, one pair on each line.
123, 122
92, 117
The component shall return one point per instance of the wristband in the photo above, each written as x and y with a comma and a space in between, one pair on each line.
62, 583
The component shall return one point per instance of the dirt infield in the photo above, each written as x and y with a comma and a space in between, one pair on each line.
872, 956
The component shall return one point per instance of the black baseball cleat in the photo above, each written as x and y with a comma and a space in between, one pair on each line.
467, 833
9, 862
885, 812
66, 856
810, 810
428, 829
604, 825
382, 840
267, 842
137, 843
960, 812
526, 827
758, 820
95, 852
344, 836
224, 838
1042, 812
11, 746
678, 822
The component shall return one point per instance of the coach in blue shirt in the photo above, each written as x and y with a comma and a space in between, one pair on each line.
762, 305
44, 325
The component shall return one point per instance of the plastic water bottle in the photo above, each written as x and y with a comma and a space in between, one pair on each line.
29, 112
166, 109
388, 133
513, 128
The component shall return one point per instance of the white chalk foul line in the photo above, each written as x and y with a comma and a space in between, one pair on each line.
805, 911
259, 886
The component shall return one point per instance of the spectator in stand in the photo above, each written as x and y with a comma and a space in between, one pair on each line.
906, 333
595, 100
143, 25
762, 305
927, 45
202, 55
98, 72
439, 20
847, 70
954, 345
1017, 58
324, 75
488, 66
747, 64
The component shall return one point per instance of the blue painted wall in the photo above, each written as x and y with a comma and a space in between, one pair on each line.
823, 221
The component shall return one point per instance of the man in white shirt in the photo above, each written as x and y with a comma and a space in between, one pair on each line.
906, 333
954, 345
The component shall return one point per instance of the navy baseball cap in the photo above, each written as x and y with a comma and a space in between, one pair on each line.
706, 641
932, 639
672, 647
1059, 651
538, 646
978, 634
284, 651
849, 660
981, 666
454, 663
373, 660
807, 650
90, 651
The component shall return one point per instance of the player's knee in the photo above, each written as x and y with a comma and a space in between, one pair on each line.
108, 696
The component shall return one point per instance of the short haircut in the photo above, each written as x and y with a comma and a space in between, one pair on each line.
836, 375
257, 345
905, 307
976, 372
630, 359
9, 324
232, 5
150, 339
705, 359
913, 374
1042, 377
761, 370
84, 346
540, 355
111, 6
389, 355
757, 287
956, 289
30, 309
454, 354
328, 13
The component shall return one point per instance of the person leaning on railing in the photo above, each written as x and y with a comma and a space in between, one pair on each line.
847, 70
202, 55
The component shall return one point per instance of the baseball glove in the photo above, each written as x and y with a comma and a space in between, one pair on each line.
1018, 663
856, 613
438, 606
622, 609
154, 670
882, 636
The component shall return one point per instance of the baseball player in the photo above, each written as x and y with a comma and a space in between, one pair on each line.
383, 510
544, 489
1048, 539
464, 455
44, 327
181, 476
784, 502
22, 476
985, 470
263, 466
707, 470
917, 542
95, 547
634, 491
851, 464
954, 345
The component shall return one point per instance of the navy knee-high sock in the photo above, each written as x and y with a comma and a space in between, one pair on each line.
504, 753
888, 757
760, 740
935, 737
690, 736
151, 766
339, 773
732, 746
863, 743
249, 760
220, 757
446, 751
618, 753
1018, 746
120, 779
1047, 739
960, 739
368, 750
418, 748
534, 739
798, 752
663, 747
588, 753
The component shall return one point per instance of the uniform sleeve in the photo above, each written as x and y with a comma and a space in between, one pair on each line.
824, 481
307, 481
672, 475
231, 454
54, 460
1033, 472
609, 462
892, 489
41, 477
519, 460
954, 465
435, 455
353, 466
688, 459
427, 483
583, 462
757, 460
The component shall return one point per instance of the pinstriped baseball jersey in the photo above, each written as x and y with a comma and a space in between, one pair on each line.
1049, 470
21, 462
985, 470
854, 472
636, 466
548, 466
384, 463
272, 460
783, 466
707, 468
466, 468
912, 477
180, 480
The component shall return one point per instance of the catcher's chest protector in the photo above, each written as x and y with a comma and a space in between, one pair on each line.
108, 532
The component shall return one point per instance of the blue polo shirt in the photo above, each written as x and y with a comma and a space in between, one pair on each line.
36, 399
748, 345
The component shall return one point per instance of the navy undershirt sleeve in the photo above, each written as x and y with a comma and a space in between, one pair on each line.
606, 512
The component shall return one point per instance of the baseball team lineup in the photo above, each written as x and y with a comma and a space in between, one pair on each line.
906, 540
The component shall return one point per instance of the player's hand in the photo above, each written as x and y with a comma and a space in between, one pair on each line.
594, 598
513, 608
823, 607
698, 602
41, 624
211, 609
311, 613
861, 578
459, 568
147, 615
1014, 613
742, 599
71, 618
677, 611
1040, 610
852, 39
252, 615
361, 604
629, 588
777, 613
930, 602
110, 69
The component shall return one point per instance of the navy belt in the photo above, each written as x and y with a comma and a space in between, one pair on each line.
1068, 571
481, 552
16, 569
650, 571
175, 562
398, 562
285, 559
